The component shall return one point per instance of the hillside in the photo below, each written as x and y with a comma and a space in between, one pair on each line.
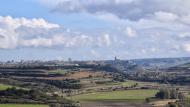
152, 64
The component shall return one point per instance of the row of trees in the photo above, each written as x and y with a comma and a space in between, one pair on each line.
172, 93
23, 93
162, 77
67, 83
180, 103
25, 96
167, 93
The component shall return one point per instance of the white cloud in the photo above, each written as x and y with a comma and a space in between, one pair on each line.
130, 32
184, 35
187, 47
165, 16
37, 42
104, 40
94, 53
57, 40
153, 49
108, 17
9, 39
161, 26
125, 9
143, 51
22, 32
123, 1
186, 19
15, 23
9, 30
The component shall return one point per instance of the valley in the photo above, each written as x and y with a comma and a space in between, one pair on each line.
91, 84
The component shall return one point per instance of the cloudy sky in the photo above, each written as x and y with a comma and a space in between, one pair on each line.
94, 29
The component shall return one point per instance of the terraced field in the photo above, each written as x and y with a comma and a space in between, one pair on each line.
58, 71
124, 95
22, 105
188, 96
4, 87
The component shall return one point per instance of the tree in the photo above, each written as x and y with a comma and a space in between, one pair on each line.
174, 94
171, 104
167, 94
55, 105
163, 94
160, 94
147, 100
181, 96
170, 94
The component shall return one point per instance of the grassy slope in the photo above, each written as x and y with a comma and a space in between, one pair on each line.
58, 71
127, 83
4, 87
188, 96
22, 105
116, 95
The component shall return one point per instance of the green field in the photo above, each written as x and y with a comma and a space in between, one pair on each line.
188, 96
125, 95
127, 83
4, 87
58, 71
22, 105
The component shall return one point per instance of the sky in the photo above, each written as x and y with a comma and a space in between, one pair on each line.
94, 29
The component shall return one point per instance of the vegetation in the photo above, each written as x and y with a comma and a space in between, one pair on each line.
4, 87
129, 83
67, 83
167, 93
20, 96
171, 104
92, 83
22, 105
57, 71
128, 95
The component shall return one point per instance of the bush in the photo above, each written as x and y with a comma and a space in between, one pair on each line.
171, 104
163, 94
147, 100
67, 84
169, 94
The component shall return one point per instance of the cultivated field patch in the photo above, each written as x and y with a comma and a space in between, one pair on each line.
124, 95
57, 71
22, 105
4, 86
